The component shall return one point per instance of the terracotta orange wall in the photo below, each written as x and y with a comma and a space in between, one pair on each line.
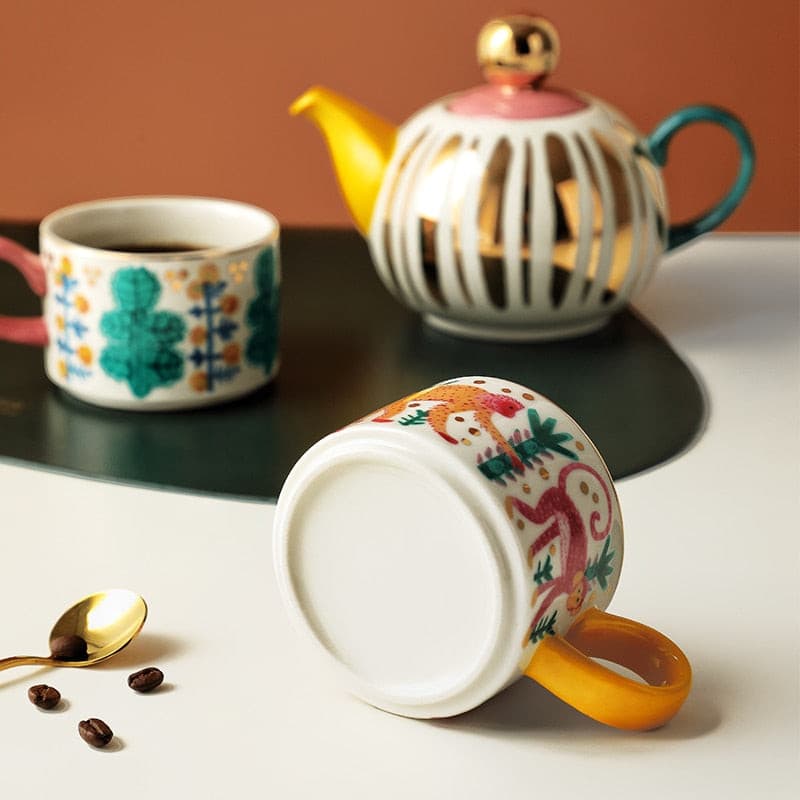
105, 98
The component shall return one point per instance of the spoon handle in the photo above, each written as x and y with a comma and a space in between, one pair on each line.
23, 661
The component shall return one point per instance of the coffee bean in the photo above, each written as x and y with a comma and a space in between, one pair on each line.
95, 732
68, 648
44, 696
145, 680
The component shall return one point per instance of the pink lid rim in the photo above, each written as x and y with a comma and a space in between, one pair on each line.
505, 102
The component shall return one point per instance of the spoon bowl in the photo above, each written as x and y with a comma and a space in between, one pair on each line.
106, 621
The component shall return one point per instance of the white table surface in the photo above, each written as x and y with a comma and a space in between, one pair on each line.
712, 559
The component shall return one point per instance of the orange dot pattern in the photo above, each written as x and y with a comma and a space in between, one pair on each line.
84, 353
229, 303
197, 335
231, 353
198, 381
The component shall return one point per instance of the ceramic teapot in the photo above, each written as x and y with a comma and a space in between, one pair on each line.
512, 210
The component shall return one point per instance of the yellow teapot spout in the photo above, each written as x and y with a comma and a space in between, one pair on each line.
360, 144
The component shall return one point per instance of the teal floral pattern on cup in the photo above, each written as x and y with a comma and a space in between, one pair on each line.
262, 313
141, 348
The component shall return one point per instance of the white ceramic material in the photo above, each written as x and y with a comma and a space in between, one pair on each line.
149, 330
593, 250
427, 564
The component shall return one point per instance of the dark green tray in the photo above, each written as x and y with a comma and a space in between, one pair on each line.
347, 348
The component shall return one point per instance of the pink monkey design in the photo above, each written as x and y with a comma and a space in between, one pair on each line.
565, 522
457, 398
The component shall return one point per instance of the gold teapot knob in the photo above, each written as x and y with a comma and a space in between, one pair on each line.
518, 50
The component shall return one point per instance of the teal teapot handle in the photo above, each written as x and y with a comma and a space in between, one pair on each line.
658, 142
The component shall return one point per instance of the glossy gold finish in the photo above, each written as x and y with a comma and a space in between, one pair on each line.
490, 223
518, 50
107, 621
447, 179
566, 215
623, 186
392, 191
623, 212
625, 199
438, 178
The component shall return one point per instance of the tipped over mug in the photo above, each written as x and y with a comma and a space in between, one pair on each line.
450, 542
153, 303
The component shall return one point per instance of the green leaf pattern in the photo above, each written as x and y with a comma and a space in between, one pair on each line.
262, 314
141, 341
600, 569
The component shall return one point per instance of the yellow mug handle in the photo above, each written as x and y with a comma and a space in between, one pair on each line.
564, 666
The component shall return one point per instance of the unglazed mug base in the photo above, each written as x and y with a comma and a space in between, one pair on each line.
365, 482
514, 333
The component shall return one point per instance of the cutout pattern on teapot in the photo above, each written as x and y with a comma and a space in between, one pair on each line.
596, 234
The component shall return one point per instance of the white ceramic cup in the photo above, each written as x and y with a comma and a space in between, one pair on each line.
153, 303
443, 546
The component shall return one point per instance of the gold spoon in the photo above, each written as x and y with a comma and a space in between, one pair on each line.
106, 621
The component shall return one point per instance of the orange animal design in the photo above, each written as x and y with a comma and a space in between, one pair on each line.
456, 398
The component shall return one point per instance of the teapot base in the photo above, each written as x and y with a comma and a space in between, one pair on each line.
514, 333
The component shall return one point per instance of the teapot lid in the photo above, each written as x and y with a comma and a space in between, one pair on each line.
516, 53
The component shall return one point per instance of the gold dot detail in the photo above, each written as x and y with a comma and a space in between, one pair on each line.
506, 390
520, 524
584, 488
459, 419
552, 550
526, 488
527, 396
579, 445
475, 431
544, 473
595, 497
413, 405
479, 381
466, 442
